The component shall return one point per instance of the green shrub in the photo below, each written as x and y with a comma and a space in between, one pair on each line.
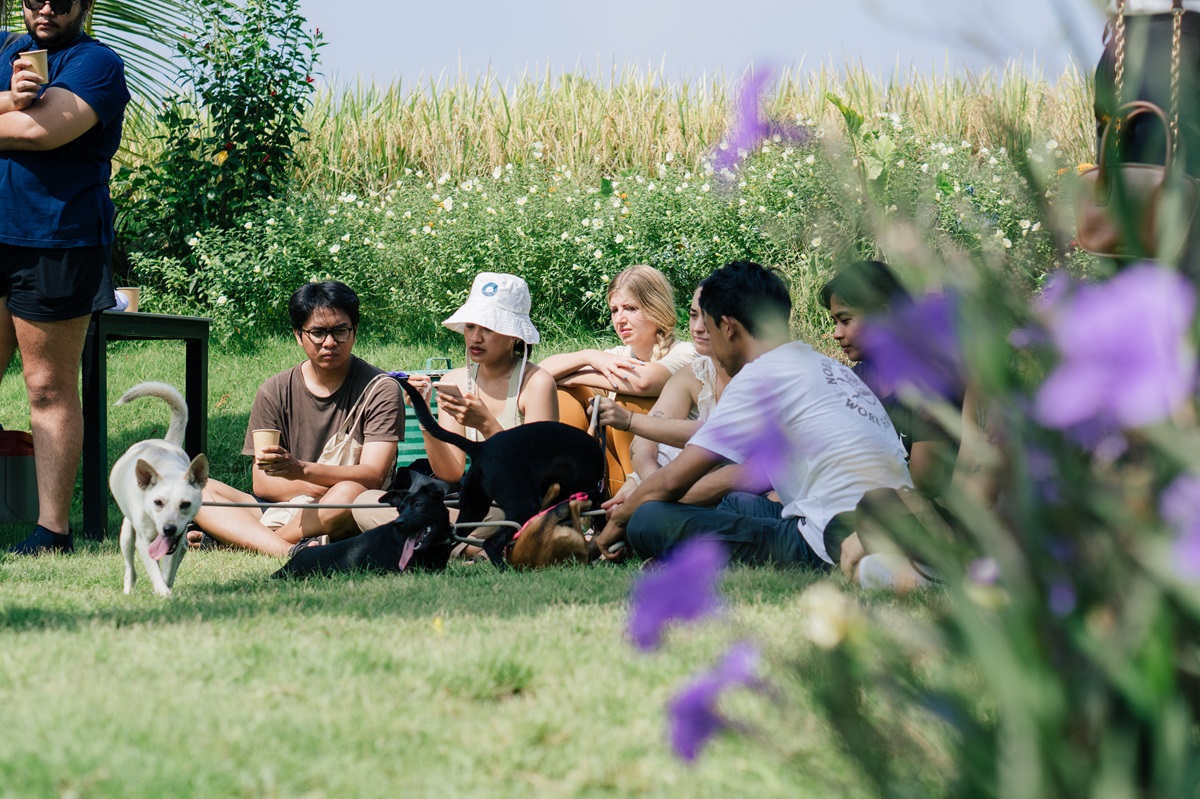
227, 135
412, 249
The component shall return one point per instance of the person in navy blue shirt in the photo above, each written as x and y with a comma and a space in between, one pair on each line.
58, 134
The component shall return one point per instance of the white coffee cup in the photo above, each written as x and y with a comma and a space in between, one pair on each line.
131, 293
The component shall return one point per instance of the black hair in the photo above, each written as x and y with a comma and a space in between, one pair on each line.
865, 285
330, 294
748, 292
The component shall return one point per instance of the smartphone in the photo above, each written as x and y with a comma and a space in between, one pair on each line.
449, 389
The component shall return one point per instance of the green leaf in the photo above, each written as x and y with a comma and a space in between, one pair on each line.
854, 120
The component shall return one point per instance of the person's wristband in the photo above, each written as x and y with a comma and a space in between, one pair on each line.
628, 422
637, 481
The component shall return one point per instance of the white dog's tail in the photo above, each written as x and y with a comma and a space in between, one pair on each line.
172, 397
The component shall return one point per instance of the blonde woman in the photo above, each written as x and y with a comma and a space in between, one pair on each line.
641, 303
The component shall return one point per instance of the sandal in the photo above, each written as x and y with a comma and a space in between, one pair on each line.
305, 543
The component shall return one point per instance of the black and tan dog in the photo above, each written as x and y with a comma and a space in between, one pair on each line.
421, 537
518, 470
553, 537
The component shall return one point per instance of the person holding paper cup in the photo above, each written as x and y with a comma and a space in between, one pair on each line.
61, 114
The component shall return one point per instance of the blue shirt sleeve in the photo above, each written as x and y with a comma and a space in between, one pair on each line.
95, 74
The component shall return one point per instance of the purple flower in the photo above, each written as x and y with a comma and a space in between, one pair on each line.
917, 346
683, 588
985, 571
1062, 599
1125, 358
1179, 507
694, 714
750, 126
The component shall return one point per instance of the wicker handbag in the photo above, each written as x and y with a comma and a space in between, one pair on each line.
1132, 210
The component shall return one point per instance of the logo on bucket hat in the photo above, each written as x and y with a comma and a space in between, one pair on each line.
489, 290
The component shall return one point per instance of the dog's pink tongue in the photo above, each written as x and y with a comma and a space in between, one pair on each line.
406, 555
158, 547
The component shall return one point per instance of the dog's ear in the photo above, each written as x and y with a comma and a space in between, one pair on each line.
197, 473
147, 475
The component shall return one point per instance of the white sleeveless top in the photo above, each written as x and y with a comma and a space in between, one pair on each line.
706, 373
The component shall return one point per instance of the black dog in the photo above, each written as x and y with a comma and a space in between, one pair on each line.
517, 469
420, 537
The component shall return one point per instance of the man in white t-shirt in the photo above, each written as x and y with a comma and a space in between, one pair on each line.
798, 421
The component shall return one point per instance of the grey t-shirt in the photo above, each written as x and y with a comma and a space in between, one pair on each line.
306, 421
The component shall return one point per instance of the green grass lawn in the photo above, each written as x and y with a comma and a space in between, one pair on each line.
467, 683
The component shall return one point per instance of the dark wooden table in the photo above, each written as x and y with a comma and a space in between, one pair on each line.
123, 326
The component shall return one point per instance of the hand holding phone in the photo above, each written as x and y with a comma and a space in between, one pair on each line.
448, 389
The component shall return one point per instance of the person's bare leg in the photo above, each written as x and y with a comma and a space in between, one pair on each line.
239, 527
337, 523
50, 355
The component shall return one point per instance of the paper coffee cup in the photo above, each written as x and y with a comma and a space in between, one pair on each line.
131, 293
38, 59
264, 438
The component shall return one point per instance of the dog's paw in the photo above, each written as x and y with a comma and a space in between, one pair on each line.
163, 592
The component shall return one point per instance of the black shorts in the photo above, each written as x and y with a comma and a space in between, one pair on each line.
53, 285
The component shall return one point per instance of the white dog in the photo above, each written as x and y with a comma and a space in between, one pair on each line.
158, 490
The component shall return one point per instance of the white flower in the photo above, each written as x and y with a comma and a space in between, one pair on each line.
348, 198
1052, 145
448, 203
586, 221
193, 241
1036, 227
589, 294
575, 267
816, 242
271, 221
826, 615
334, 249
346, 237
670, 156
522, 200
812, 159
704, 188
442, 180
497, 172
427, 229
248, 225
222, 300
598, 253
597, 223
1007, 244
618, 238
491, 210
924, 167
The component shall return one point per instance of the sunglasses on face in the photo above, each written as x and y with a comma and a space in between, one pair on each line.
317, 335
57, 6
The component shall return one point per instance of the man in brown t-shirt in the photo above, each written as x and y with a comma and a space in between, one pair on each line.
309, 404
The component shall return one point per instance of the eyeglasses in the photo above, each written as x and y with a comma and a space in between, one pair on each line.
317, 335
57, 6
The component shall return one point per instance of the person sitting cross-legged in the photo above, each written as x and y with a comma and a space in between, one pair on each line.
799, 423
309, 404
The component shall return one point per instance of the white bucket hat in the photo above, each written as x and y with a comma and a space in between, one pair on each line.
500, 303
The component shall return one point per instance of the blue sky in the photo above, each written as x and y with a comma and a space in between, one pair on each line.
389, 39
